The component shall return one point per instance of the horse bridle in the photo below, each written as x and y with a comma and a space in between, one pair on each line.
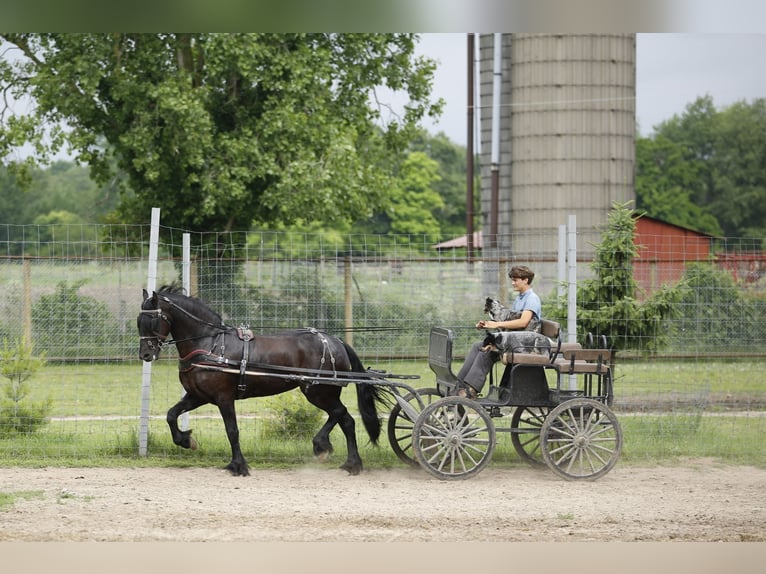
156, 336
161, 315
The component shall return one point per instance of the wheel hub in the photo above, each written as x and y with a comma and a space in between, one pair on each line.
581, 441
454, 439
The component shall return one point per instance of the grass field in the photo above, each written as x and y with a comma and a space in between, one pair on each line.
709, 409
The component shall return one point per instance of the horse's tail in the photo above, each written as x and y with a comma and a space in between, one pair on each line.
367, 395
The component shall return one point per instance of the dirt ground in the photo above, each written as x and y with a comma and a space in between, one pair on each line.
698, 501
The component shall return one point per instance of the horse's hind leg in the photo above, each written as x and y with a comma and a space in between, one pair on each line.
238, 465
327, 398
183, 438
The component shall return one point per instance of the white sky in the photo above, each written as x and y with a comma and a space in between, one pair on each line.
672, 70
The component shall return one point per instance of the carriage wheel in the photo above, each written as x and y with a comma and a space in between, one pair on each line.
454, 438
581, 439
400, 426
526, 423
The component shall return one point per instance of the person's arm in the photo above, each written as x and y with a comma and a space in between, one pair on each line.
514, 324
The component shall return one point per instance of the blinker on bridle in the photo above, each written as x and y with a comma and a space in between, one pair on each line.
159, 315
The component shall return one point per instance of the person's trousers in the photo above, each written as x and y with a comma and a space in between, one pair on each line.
477, 366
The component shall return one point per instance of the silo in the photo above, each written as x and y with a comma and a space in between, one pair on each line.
566, 138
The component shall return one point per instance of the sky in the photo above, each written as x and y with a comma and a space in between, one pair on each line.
672, 70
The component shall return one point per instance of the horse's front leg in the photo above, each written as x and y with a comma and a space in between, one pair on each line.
183, 438
238, 465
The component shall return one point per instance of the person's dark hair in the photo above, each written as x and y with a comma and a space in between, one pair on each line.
521, 272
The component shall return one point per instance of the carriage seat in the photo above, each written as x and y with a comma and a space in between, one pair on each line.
550, 329
578, 361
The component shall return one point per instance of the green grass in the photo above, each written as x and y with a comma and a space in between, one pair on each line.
96, 407
8, 499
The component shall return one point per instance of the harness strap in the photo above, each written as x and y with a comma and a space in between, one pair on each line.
246, 335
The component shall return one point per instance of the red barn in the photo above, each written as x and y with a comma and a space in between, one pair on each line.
664, 249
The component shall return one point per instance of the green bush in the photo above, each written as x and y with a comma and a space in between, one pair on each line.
19, 415
294, 418
715, 314
67, 324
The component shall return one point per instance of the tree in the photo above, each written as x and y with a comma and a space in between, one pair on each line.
19, 415
717, 159
414, 201
665, 180
451, 185
221, 130
740, 170
610, 303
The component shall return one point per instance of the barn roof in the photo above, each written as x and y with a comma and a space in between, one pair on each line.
461, 241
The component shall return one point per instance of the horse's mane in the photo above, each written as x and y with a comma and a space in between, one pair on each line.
176, 292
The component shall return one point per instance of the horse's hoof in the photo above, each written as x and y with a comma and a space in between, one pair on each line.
322, 456
238, 469
352, 469
193, 443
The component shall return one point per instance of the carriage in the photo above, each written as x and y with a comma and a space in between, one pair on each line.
557, 403
556, 407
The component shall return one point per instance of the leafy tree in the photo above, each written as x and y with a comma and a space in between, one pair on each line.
221, 130
739, 176
610, 303
451, 185
413, 200
716, 159
665, 179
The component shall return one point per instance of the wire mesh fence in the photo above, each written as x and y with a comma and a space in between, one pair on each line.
75, 292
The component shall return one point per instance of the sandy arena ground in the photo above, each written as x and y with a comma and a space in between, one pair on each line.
699, 501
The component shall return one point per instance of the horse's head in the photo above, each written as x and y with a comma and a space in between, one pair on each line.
153, 327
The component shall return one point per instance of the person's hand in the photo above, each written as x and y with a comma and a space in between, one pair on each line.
485, 324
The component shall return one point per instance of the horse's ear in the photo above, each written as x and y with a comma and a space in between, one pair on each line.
146, 294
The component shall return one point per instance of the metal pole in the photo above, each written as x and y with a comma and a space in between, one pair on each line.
469, 157
572, 288
186, 282
146, 382
562, 261
27, 304
349, 301
495, 167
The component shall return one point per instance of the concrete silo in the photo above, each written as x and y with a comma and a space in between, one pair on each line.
566, 143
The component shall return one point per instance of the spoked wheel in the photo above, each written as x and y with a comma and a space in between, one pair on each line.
400, 426
526, 423
581, 439
454, 438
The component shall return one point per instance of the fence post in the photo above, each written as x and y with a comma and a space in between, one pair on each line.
146, 382
502, 280
562, 262
183, 421
572, 288
27, 303
348, 298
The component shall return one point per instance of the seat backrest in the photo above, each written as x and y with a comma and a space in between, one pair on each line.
550, 329
440, 354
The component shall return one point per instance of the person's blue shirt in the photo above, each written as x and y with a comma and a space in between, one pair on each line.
529, 300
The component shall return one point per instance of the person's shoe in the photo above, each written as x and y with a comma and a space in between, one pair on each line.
466, 391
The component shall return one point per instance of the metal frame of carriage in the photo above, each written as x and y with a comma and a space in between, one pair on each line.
557, 405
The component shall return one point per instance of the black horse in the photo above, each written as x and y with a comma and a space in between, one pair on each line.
221, 364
